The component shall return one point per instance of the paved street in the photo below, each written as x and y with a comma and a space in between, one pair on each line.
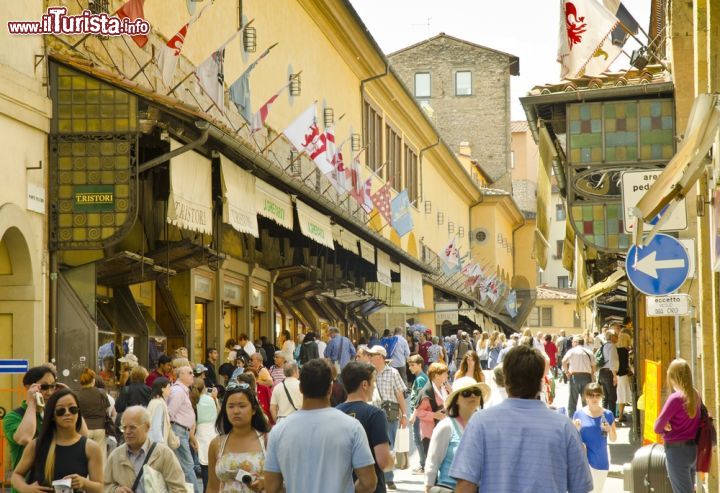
620, 452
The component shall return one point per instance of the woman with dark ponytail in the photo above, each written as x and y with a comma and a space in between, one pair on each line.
60, 452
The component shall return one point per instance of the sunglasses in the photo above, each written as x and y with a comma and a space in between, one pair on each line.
469, 392
594, 395
62, 411
48, 386
234, 384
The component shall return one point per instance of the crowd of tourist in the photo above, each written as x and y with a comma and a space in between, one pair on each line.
334, 415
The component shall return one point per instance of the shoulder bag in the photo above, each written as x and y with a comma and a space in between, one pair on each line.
288, 396
138, 478
391, 408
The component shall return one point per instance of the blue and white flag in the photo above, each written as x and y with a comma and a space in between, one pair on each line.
511, 304
402, 219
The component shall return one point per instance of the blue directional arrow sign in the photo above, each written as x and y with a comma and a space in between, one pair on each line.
659, 268
13, 365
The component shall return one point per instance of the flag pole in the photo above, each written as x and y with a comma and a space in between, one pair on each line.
272, 142
171, 91
634, 36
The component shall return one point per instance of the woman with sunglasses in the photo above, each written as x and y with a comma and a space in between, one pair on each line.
470, 367
596, 425
467, 396
60, 451
240, 446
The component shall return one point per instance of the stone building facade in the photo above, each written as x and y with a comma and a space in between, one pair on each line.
465, 88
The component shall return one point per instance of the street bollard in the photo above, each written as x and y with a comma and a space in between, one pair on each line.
648, 470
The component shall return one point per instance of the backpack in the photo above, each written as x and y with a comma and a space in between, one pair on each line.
600, 360
706, 438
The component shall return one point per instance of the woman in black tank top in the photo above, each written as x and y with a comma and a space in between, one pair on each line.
60, 451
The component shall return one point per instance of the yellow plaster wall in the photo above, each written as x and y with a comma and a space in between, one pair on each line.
490, 216
525, 266
562, 317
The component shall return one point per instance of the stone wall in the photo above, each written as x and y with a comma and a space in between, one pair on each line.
481, 119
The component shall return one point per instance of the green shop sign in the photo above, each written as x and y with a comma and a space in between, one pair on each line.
94, 198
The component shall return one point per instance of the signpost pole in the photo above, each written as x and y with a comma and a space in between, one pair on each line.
677, 336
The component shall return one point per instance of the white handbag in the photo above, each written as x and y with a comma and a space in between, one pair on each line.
402, 440
155, 482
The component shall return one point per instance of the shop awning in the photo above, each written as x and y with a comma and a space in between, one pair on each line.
367, 251
411, 289
689, 161
190, 200
383, 268
346, 239
568, 251
125, 268
544, 193
238, 187
602, 287
273, 204
314, 225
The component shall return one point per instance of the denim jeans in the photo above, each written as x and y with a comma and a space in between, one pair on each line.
185, 457
680, 465
418, 442
577, 382
392, 427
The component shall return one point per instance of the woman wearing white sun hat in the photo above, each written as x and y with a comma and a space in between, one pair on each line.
467, 396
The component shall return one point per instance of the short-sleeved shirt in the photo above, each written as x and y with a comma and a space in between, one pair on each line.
280, 399
373, 421
389, 382
10, 423
543, 454
338, 444
595, 443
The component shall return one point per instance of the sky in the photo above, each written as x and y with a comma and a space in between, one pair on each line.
527, 29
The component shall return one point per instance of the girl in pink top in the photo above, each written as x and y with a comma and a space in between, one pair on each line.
432, 400
678, 422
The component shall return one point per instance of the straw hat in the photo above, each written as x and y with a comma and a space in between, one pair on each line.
467, 383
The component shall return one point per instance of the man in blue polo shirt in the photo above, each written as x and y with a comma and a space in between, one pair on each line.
544, 452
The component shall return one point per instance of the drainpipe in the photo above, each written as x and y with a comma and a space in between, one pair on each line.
513, 240
52, 350
202, 125
362, 88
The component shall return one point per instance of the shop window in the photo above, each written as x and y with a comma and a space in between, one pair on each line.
197, 351
230, 322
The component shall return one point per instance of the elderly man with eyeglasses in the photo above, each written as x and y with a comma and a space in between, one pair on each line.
123, 469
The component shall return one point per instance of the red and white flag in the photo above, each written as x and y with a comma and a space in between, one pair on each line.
134, 10
170, 53
584, 27
341, 174
381, 199
259, 117
305, 135
359, 190
451, 254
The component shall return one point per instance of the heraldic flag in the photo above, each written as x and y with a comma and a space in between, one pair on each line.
305, 135
585, 25
170, 53
402, 219
134, 10
381, 199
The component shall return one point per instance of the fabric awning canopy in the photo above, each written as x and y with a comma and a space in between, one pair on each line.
238, 188
346, 239
367, 251
411, 289
688, 163
544, 194
190, 200
315, 225
602, 287
273, 204
383, 268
